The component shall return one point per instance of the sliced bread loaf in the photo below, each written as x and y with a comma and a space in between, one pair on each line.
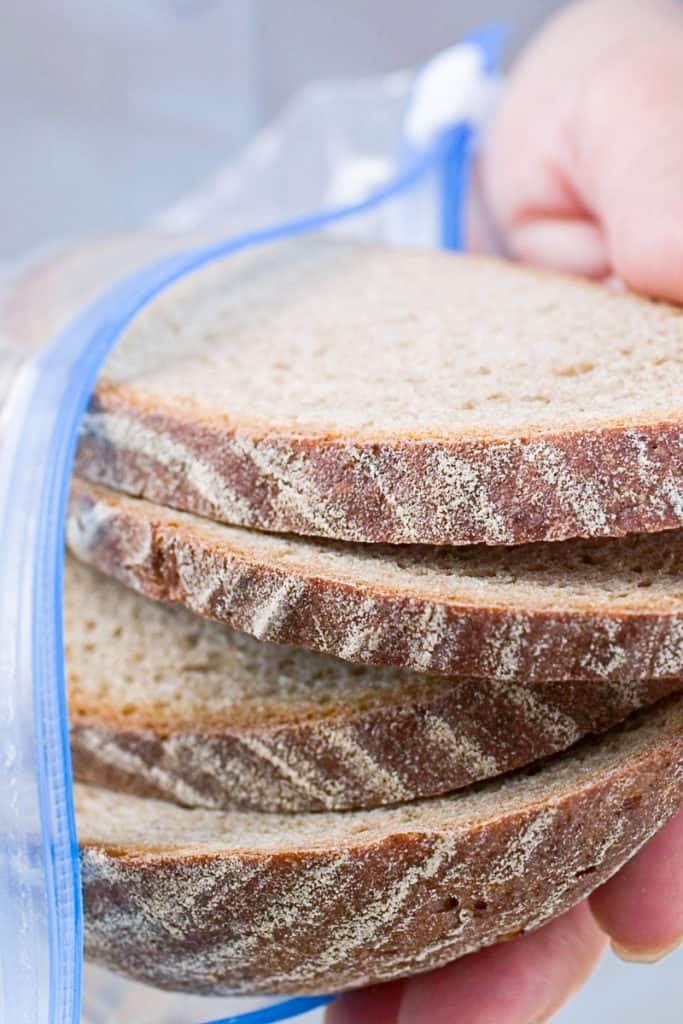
602, 609
163, 703
372, 394
208, 901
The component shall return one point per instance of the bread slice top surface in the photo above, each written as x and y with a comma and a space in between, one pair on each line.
141, 664
638, 574
152, 830
326, 338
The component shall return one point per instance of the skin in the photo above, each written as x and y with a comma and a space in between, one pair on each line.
581, 171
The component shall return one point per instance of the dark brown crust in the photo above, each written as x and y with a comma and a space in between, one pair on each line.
321, 920
598, 482
143, 545
472, 731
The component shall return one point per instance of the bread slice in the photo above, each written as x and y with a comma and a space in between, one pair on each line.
209, 901
602, 609
364, 393
166, 704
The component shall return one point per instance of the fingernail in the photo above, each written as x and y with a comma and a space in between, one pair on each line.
644, 956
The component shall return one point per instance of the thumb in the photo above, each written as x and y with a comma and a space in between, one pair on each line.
582, 169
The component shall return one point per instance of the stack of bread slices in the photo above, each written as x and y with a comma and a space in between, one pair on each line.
374, 626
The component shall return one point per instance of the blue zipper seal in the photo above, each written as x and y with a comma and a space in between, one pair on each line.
65, 374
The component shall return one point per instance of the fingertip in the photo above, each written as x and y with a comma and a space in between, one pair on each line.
641, 908
646, 250
644, 956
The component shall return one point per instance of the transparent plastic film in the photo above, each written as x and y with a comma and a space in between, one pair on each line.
382, 158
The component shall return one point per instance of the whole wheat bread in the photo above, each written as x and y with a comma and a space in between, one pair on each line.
373, 394
163, 703
601, 609
209, 901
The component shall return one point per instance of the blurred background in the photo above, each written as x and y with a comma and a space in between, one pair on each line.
112, 110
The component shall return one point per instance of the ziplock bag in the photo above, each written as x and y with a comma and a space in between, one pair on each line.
378, 158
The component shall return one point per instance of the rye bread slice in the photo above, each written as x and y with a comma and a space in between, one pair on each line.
166, 704
365, 393
605, 609
209, 901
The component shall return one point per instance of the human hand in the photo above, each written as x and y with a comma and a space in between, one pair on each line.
582, 171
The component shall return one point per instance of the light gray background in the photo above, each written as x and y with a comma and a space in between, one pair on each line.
110, 109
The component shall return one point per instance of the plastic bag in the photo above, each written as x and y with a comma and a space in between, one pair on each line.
379, 158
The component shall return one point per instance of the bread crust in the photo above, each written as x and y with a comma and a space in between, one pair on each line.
420, 746
337, 914
611, 477
607, 481
184, 560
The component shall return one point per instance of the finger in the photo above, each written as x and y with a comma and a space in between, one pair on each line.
630, 167
379, 1004
520, 982
641, 908
590, 129
572, 245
